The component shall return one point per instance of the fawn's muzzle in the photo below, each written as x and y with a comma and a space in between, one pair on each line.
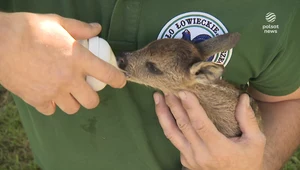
122, 61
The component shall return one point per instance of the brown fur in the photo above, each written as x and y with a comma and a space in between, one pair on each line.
172, 65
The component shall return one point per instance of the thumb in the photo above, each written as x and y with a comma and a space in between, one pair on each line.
246, 117
80, 30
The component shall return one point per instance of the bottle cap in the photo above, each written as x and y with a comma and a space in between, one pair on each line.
100, 48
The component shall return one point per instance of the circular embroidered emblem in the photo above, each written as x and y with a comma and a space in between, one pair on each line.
196, 27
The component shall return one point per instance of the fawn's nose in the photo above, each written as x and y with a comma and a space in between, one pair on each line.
122, 61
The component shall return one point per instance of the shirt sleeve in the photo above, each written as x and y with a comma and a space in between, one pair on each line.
282, 76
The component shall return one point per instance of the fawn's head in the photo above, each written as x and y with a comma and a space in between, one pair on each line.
175, 63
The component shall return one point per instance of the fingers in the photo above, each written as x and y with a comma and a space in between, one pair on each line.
99, 69
182, 119
47, 108
81, 93
93, 66
252, 137
245, 116
85, 95
80, 30
184, 162
67, 103
168, 125
199, 120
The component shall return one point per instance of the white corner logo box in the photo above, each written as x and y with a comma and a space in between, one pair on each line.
196, 27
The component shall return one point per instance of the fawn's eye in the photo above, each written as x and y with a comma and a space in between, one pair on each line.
152, 68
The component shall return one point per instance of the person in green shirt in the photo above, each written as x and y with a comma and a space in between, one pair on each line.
121, 127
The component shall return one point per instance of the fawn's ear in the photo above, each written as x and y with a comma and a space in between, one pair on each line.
217, 44
206, 72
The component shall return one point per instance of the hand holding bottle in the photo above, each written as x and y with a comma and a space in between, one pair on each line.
42, 63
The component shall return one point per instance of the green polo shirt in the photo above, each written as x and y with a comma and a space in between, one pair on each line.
123, 132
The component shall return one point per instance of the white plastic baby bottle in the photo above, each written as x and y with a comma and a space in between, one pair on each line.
100, 48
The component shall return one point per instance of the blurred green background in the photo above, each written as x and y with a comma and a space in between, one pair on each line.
15, 152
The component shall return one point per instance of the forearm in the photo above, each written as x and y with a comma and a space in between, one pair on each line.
281, 127
7, 36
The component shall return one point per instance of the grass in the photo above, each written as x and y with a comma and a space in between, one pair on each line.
15, 153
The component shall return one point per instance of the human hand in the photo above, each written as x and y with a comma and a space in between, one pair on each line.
42, 63
201, 145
